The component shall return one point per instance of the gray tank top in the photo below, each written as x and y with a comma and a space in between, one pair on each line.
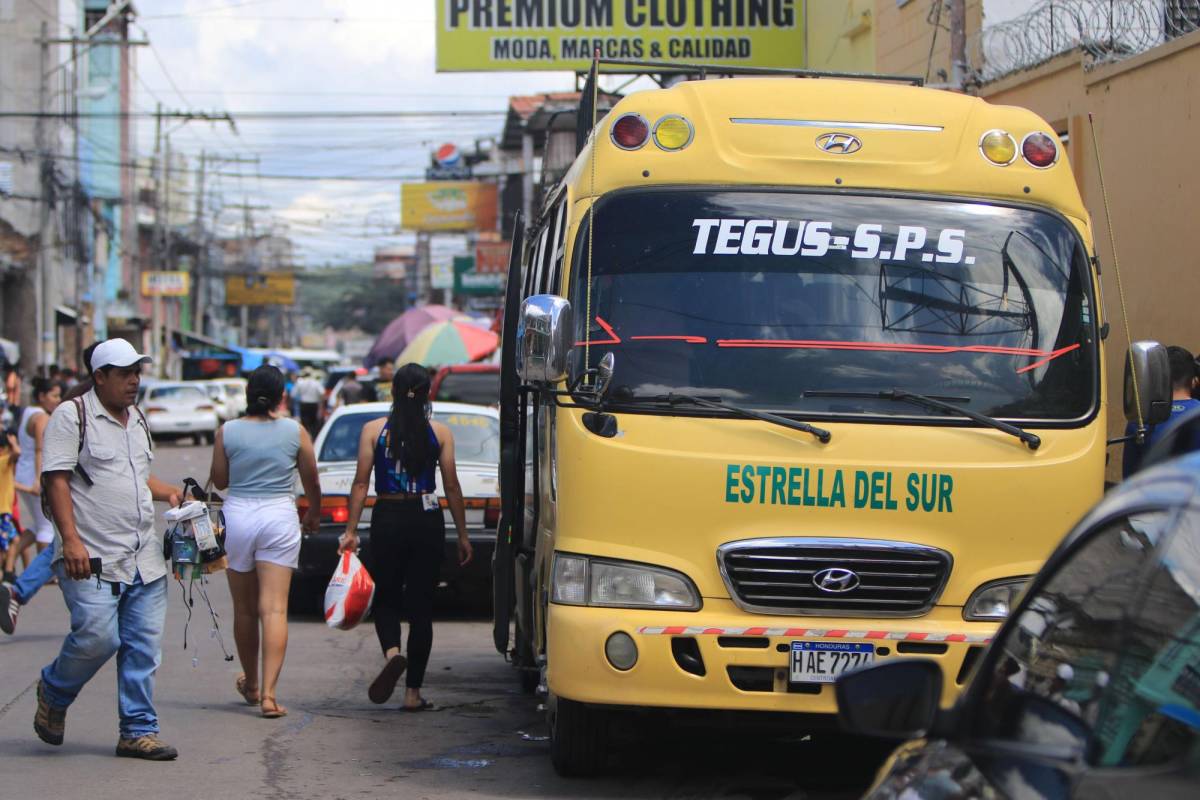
262, 456
26, 463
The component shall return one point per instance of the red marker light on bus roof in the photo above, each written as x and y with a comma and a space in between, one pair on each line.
1039, 149
630, 131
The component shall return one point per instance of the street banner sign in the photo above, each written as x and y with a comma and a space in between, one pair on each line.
448, 206
441, 272
260, 289
166, 284
469, 280
506, 35
492, 257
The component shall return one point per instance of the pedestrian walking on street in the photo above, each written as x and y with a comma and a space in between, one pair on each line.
10, 533
407, 527
39, 572
309, 392
30, 434
110, 562
256, 458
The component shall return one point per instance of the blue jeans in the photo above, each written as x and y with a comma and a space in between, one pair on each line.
129, 625
34, 576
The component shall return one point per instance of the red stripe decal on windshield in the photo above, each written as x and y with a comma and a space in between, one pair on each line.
607, 329
688, 339
1049, 358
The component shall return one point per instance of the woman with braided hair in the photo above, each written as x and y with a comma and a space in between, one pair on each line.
407, 527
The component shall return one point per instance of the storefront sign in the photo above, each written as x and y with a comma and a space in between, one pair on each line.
469, 280
485, 35
260, 289
492, 257
166, 284
448, 206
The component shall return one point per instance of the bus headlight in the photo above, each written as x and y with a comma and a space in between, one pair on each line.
994, 601
578, 580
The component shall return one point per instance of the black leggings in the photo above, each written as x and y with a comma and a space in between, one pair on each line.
407, 546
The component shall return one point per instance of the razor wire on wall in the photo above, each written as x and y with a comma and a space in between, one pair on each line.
1105, 30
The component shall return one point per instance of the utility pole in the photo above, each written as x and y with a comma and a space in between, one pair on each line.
246, 265
42, 258
200, 267
958, 44
157, 256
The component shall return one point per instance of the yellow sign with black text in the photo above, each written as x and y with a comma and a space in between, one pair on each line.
260, 289
484, 35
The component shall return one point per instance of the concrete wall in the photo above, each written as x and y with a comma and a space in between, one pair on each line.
1147, 115
840, 35
903, 37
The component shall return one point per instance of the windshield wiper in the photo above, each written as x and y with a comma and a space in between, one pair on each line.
900, 396
623, 395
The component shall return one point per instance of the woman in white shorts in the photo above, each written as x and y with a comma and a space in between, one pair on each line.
256, 457
30, 430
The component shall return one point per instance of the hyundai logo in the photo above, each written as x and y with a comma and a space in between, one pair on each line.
835, 580
839, 143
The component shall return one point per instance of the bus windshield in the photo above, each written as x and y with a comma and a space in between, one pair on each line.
813, 303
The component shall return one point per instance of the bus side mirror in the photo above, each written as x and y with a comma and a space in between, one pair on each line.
1148, 362
544, 339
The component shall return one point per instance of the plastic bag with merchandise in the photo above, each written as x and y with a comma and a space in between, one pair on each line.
349, 594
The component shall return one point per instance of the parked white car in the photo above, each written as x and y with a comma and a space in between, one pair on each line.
477, 456
216, 393
178, 408
235, 395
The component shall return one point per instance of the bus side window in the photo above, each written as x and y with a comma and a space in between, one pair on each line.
529, 280
558, 249
537, 264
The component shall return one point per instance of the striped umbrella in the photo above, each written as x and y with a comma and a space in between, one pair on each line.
450, 342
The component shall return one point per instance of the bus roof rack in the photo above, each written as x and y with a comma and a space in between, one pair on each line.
704, 70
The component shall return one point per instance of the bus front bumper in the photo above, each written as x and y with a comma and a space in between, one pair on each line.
723, 659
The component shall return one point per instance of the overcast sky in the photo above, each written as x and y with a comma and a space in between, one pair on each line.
256, 55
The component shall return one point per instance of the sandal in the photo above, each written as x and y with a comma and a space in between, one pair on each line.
274, 711
385, 683
425, 706
245, 692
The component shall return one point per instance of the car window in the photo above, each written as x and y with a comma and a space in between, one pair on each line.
477, 388
180, 394
476, 436
1150, 713
341, 440
213, 391
1104, 661
232, 391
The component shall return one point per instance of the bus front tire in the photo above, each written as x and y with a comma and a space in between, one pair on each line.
578, 738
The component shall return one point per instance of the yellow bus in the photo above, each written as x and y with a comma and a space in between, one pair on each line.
800, 375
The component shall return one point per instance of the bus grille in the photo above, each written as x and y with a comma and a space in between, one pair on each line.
886, 579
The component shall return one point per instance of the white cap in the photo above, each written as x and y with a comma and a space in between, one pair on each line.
1066, 672
116, 353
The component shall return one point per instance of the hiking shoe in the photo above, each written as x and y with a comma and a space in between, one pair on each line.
149, 747
9, 608
49, 722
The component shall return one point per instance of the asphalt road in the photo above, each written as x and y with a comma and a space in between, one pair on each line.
485, 739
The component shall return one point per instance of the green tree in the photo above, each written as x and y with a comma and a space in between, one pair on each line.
351, 297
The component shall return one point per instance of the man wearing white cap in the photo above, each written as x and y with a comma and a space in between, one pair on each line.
96, 474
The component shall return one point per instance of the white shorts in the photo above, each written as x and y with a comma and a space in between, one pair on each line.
261, 529
32, 518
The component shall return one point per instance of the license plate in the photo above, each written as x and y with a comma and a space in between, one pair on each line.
822, 662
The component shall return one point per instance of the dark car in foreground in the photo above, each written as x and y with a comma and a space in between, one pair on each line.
1091, 689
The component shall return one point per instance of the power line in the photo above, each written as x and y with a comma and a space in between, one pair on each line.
241, 116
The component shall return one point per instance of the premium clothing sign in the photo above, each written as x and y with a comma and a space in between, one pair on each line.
483, 35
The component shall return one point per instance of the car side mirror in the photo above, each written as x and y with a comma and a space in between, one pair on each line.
1147, 361
544, 339
893, 700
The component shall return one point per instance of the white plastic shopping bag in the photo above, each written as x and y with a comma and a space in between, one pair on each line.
349, 594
